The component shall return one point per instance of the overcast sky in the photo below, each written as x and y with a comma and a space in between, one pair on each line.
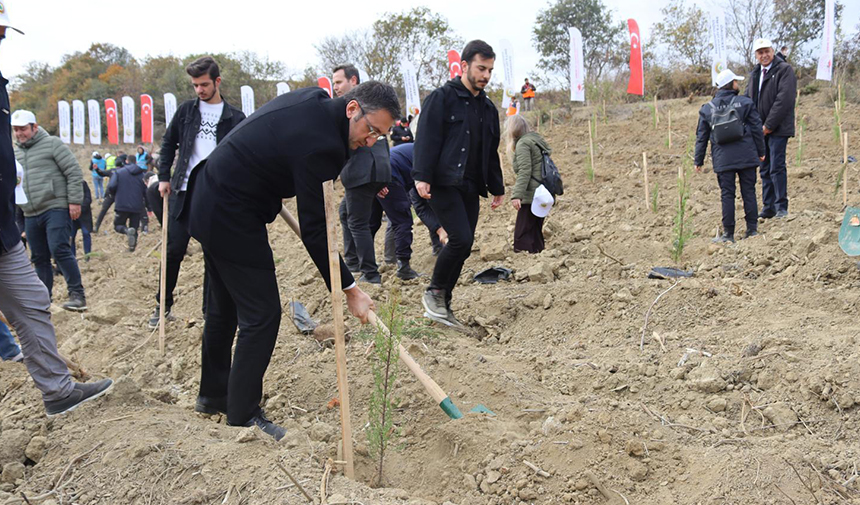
284, 31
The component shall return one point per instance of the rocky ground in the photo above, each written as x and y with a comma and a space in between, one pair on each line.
743, 388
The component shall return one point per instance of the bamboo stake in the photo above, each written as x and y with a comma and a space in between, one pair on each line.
604, 109
656, 113
337, 310
550, 119
163, 289
645, 174
839, 119
669, 112
845, 169
591, 148
796, 102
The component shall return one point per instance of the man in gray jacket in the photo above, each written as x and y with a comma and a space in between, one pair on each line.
52, 183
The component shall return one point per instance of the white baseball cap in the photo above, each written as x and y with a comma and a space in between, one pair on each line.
727, 76
542, 202
95, 153
4, 17
23, 117
761, 44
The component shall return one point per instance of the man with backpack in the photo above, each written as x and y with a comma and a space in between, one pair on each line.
456, 161
731, 123
773, 90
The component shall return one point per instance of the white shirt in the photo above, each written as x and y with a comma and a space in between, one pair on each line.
761, 76
206, 140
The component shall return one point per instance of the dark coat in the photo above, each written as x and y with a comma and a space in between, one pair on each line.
775, 102
287, 148
86, 218
743, 153
128, 189
397, 134
401, 165
442, 147
367, 165
9, 234
182, 131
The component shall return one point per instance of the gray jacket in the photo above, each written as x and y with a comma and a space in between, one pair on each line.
52, 175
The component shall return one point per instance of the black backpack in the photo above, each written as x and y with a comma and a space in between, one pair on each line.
550, 178
726, 125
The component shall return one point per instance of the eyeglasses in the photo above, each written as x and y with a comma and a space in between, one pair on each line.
376, 132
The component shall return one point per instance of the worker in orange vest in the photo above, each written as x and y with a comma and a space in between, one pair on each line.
528, 92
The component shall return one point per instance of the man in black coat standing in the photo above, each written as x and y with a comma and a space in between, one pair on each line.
456, 160
287, 148
773, 89
196, 128
401, 134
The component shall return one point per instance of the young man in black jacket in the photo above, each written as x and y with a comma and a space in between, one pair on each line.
196, 128
287, 148
773, 89
457, 160
736, 158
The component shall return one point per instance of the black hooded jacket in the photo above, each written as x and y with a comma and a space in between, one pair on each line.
128, 189
743, 153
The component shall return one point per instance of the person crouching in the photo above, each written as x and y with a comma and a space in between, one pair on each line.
733, 126
129, 191
527, 148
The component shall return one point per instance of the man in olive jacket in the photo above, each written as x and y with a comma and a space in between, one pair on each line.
53, 184
773, 89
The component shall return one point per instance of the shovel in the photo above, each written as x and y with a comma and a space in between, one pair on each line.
849, 232
433, 389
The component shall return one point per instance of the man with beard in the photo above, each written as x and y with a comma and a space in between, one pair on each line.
287, 148
456, 161
196, 128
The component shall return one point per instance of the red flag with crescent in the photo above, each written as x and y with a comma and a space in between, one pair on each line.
112, 120
454, 66
325, 83
636, 86
146, 120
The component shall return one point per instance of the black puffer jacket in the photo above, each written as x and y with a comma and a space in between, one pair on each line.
743, 153
775, 102
128, 189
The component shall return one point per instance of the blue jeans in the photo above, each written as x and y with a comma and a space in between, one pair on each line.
88, 239
774, 179
98, 183
48, 235
8, 347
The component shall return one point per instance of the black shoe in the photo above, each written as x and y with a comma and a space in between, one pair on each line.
76, 303
373, 278
269, 428
724, 238
80, 394
766, 214
781, 214
453, 321
131, 233
153, 319
405, 272
212, 406
750, 233
434, 303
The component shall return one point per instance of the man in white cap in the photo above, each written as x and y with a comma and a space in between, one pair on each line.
24, 299
773, 88
732, 125
55, 193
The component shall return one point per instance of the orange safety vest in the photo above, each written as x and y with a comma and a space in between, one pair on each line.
529, 93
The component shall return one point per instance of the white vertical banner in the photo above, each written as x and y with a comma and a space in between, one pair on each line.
828, 39
95, 117
65, 116
127, 120
169, 107
78, 118
282, 88
410, 85
247, 100
577, 66
362, 75
719, 51
506, 53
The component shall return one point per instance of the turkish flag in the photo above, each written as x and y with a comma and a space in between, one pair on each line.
112, 121
636, 86
325, 83
454, 66
146, 121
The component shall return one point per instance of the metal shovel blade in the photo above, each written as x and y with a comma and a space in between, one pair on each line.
849, 232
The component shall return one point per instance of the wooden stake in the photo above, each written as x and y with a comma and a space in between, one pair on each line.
550, 119
337, 310
839, 119
591, 148
604, 109
656, 113
845, 169
645, 174
163, 291
796, 102
669, 112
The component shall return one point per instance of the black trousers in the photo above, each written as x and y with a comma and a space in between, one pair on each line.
360, 215
122, 221
456, 208
107, 203
398, 208
177, 245
153, 198
528, 231
747, 179
247, 298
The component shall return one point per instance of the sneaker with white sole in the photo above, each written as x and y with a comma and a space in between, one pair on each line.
81, 393
434, 303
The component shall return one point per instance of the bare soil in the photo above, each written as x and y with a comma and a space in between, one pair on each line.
763, 409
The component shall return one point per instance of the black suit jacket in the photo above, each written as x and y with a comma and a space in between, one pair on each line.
367, 165
287, 148
775, 101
